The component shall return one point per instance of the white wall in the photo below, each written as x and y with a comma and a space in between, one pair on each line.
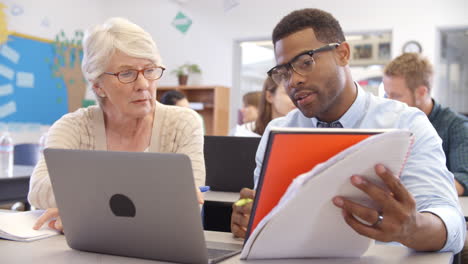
210, 40
408, 20
46, 18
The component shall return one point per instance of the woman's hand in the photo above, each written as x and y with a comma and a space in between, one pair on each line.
50, 214
200, 198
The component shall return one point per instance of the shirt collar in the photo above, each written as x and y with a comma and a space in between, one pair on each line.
354, 113
435, 110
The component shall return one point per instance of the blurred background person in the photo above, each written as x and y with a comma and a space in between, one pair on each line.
408, 78
274, 103
177, 98
249, 110
174, 97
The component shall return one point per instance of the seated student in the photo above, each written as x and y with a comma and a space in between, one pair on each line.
123, 64
177, 98
174, 97
249, 110
274, 103
408, 79
420, 209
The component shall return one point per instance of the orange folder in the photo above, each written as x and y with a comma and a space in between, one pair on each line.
291, 152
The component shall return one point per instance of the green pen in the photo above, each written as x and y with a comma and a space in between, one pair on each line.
243, 201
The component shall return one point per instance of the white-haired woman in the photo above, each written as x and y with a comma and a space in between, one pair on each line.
123, 64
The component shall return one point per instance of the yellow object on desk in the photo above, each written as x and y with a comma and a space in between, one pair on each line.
243, 201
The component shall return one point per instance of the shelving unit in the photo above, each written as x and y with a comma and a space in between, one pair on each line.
215, 102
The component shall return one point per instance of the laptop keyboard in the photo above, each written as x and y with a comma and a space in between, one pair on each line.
214, 253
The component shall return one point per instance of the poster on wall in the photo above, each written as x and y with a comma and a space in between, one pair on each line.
29, 91
40, 80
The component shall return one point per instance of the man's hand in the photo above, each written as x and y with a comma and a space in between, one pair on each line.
50, 214
399, 219
241, 214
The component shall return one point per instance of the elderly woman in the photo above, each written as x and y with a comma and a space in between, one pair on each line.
122, 63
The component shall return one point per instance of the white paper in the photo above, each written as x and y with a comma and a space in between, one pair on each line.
6, 89
7, 109
306, 224
6, 72
25, 79
18, 226
9, 53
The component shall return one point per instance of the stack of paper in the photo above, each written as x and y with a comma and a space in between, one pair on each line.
18, 226
306, 224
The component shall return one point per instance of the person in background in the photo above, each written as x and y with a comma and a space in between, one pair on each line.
122, 63
274, 103
177, 98
249, 113
249, 110
174, 97
408, 78
420, 209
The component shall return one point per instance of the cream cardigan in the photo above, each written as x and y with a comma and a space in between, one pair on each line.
175, 130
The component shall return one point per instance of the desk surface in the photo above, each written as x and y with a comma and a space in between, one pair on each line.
228, 197
55, 250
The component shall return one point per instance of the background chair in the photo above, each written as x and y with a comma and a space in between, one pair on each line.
230, 162
26, 154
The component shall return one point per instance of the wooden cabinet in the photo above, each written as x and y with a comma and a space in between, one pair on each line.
214, 104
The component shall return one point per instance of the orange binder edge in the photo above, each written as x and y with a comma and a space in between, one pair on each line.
288, 155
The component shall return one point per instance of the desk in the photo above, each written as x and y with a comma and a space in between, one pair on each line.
16, 188
225, 197
55, 250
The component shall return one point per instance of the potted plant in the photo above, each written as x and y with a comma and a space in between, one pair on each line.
184, 70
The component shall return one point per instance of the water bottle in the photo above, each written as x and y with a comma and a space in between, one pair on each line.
6, 155
42, 141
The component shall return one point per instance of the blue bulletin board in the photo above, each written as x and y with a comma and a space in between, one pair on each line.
30, 91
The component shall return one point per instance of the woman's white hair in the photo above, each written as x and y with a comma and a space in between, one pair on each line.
101, 42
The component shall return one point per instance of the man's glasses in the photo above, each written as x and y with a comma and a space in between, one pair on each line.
302, 64
129, 76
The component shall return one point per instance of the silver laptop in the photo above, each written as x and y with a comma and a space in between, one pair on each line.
131, 204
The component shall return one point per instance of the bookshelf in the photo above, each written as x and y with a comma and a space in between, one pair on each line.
215, 105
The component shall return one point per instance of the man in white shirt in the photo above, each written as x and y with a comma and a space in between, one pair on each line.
420, 210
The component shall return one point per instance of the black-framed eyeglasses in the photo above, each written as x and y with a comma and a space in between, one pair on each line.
302, 64
130, 75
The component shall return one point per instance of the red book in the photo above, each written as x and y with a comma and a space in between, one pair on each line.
291, 152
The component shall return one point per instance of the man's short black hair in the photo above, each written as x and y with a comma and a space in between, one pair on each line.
171, 97
326, 28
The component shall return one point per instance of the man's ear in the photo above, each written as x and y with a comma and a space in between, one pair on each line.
422, 91
343, 52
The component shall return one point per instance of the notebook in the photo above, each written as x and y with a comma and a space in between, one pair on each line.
230, 162
299, 209
131, 204
18, 226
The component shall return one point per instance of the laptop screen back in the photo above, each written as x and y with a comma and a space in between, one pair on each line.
130, 204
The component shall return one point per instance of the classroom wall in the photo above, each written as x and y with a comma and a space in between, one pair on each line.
210, 40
